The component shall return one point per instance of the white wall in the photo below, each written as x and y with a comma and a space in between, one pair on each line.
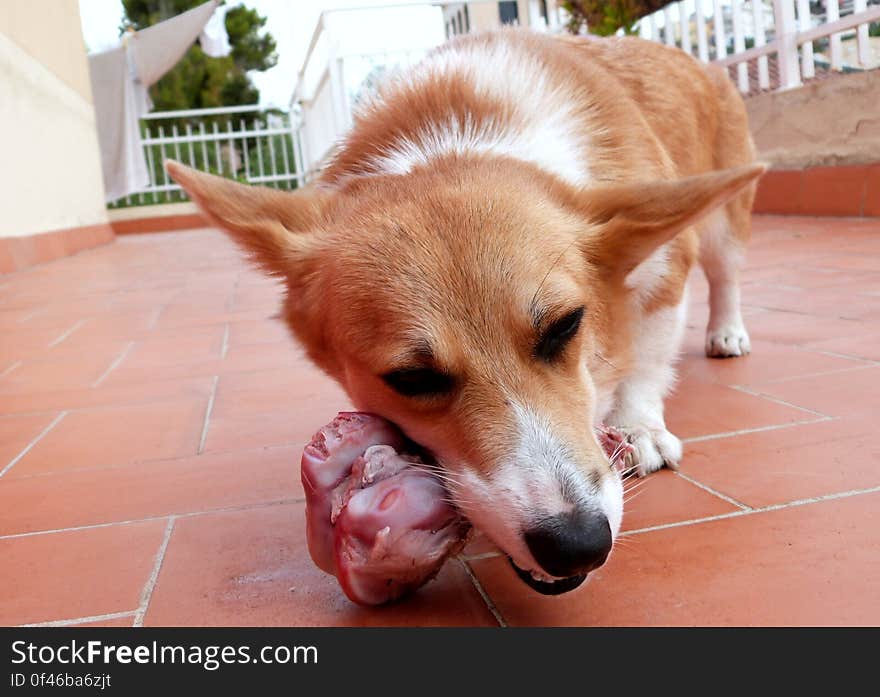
51, 174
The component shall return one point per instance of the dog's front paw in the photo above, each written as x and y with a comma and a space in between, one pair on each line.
652, 448
728, 341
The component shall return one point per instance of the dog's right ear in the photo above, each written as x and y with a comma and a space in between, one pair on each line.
272, 226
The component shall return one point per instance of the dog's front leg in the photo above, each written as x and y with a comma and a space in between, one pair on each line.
637, 408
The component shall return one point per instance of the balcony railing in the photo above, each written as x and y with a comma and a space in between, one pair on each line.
769, 45
243, 143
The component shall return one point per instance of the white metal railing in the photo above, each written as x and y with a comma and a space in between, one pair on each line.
243, 143
781, 31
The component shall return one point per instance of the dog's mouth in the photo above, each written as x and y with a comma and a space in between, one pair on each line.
562, 585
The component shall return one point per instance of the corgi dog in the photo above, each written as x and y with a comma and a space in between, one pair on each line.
495, 258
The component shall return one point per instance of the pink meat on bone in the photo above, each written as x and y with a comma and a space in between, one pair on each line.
377, 518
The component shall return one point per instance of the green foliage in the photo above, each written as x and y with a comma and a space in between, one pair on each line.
605, 17
199, 81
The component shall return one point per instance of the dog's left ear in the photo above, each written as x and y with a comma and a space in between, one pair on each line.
275, 228
633, 220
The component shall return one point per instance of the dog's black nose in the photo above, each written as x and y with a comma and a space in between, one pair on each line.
570, 543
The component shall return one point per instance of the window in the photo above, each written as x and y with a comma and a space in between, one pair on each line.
508, 12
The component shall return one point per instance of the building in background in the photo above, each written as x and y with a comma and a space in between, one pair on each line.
468, 17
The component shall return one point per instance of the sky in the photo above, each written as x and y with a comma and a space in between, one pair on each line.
291, 22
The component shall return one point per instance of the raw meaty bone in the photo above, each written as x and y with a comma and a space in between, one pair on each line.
377, 519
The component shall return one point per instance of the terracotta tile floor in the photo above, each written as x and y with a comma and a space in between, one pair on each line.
152, 411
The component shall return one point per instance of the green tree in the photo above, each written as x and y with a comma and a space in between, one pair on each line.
199, 81
605, 17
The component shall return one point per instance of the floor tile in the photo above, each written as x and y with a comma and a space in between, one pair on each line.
252, 568
699, 409
158, 390
798, 462
16, 432
117, 436
81, 573
664, 498
797, 328
809, 565
837, 394
767, 361
865, 345
149, 489
258, 332
47, 374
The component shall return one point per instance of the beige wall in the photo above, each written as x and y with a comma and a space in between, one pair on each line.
51, 178
49, 30
830, 122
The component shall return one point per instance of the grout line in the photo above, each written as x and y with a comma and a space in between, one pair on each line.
499, 618
224, 347
836, 354
30, 315
765, 509
791, 378
10, 369
155, 320
801, 313
66, 334
150, 519
150, 585
30, 445
81, 620
754, 393
714, 492
230, 301
114, 365
256, 450
208, 411
758, 429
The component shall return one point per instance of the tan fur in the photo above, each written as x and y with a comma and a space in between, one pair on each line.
444, 266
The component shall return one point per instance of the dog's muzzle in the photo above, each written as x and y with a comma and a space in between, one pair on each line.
563, 585
567, 546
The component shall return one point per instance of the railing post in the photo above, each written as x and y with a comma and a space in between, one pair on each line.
832, 14
786, 33
702, 42
720, 37
668, 26
760, 40
808, 64
739, 45
864, 47
684, 21
337, 89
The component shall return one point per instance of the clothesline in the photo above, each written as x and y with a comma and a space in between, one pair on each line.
122, 76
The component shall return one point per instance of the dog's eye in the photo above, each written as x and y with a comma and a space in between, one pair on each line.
419, 382
555, 338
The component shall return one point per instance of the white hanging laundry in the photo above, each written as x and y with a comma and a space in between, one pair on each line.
120, 79
214, 40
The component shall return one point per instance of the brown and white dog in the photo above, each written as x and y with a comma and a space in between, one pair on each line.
496, 258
